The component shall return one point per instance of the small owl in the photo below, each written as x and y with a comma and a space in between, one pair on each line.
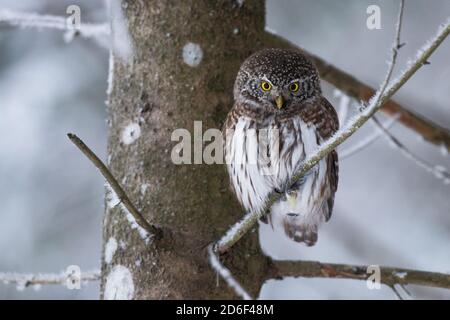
280, 117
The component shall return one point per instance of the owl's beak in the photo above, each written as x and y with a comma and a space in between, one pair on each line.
279, 101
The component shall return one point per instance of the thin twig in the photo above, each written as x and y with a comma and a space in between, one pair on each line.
397, 293
226, 275
121, 194
343, 134
388, 275
396, 46
438, 171
403, 286
23, 280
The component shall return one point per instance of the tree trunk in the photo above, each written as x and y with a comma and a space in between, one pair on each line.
158, 92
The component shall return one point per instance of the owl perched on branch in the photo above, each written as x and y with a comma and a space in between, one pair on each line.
279, 118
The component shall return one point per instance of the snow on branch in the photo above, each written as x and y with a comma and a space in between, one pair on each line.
24, 280
133, 214
386, 91
226, 275
112, 201
38, 21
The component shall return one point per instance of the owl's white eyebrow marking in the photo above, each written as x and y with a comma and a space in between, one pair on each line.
246, 73
265, 79
302, 79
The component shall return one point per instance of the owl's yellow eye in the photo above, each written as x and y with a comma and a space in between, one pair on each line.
293, 87
265, 86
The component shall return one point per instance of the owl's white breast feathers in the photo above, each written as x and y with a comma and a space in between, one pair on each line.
260, 160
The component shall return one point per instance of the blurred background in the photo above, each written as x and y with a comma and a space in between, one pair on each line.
388, 210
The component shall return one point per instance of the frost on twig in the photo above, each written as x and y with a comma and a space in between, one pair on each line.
438, 171
24, 280
237, 230
345, 100
112, 201
386, 91
375, 101
38, 21
226, 275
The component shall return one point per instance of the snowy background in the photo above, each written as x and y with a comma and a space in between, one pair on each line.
388, 210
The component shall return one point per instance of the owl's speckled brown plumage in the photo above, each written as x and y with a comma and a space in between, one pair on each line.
269, 132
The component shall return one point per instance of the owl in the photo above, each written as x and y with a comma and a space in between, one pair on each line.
280, 117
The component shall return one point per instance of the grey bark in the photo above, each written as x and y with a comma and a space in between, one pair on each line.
191, 203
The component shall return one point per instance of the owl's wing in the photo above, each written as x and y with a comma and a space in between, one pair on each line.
326, 129
228, 127
333, 177
230, 121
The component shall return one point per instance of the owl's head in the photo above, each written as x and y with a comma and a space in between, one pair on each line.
275, 79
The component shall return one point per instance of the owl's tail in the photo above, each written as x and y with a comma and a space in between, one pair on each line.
300, 231
297, 225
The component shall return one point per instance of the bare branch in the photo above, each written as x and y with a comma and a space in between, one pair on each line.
396, 292
389, 276
23, 280
226, 275
355, 88
343, 134
121, 194
408, 294
438, 171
